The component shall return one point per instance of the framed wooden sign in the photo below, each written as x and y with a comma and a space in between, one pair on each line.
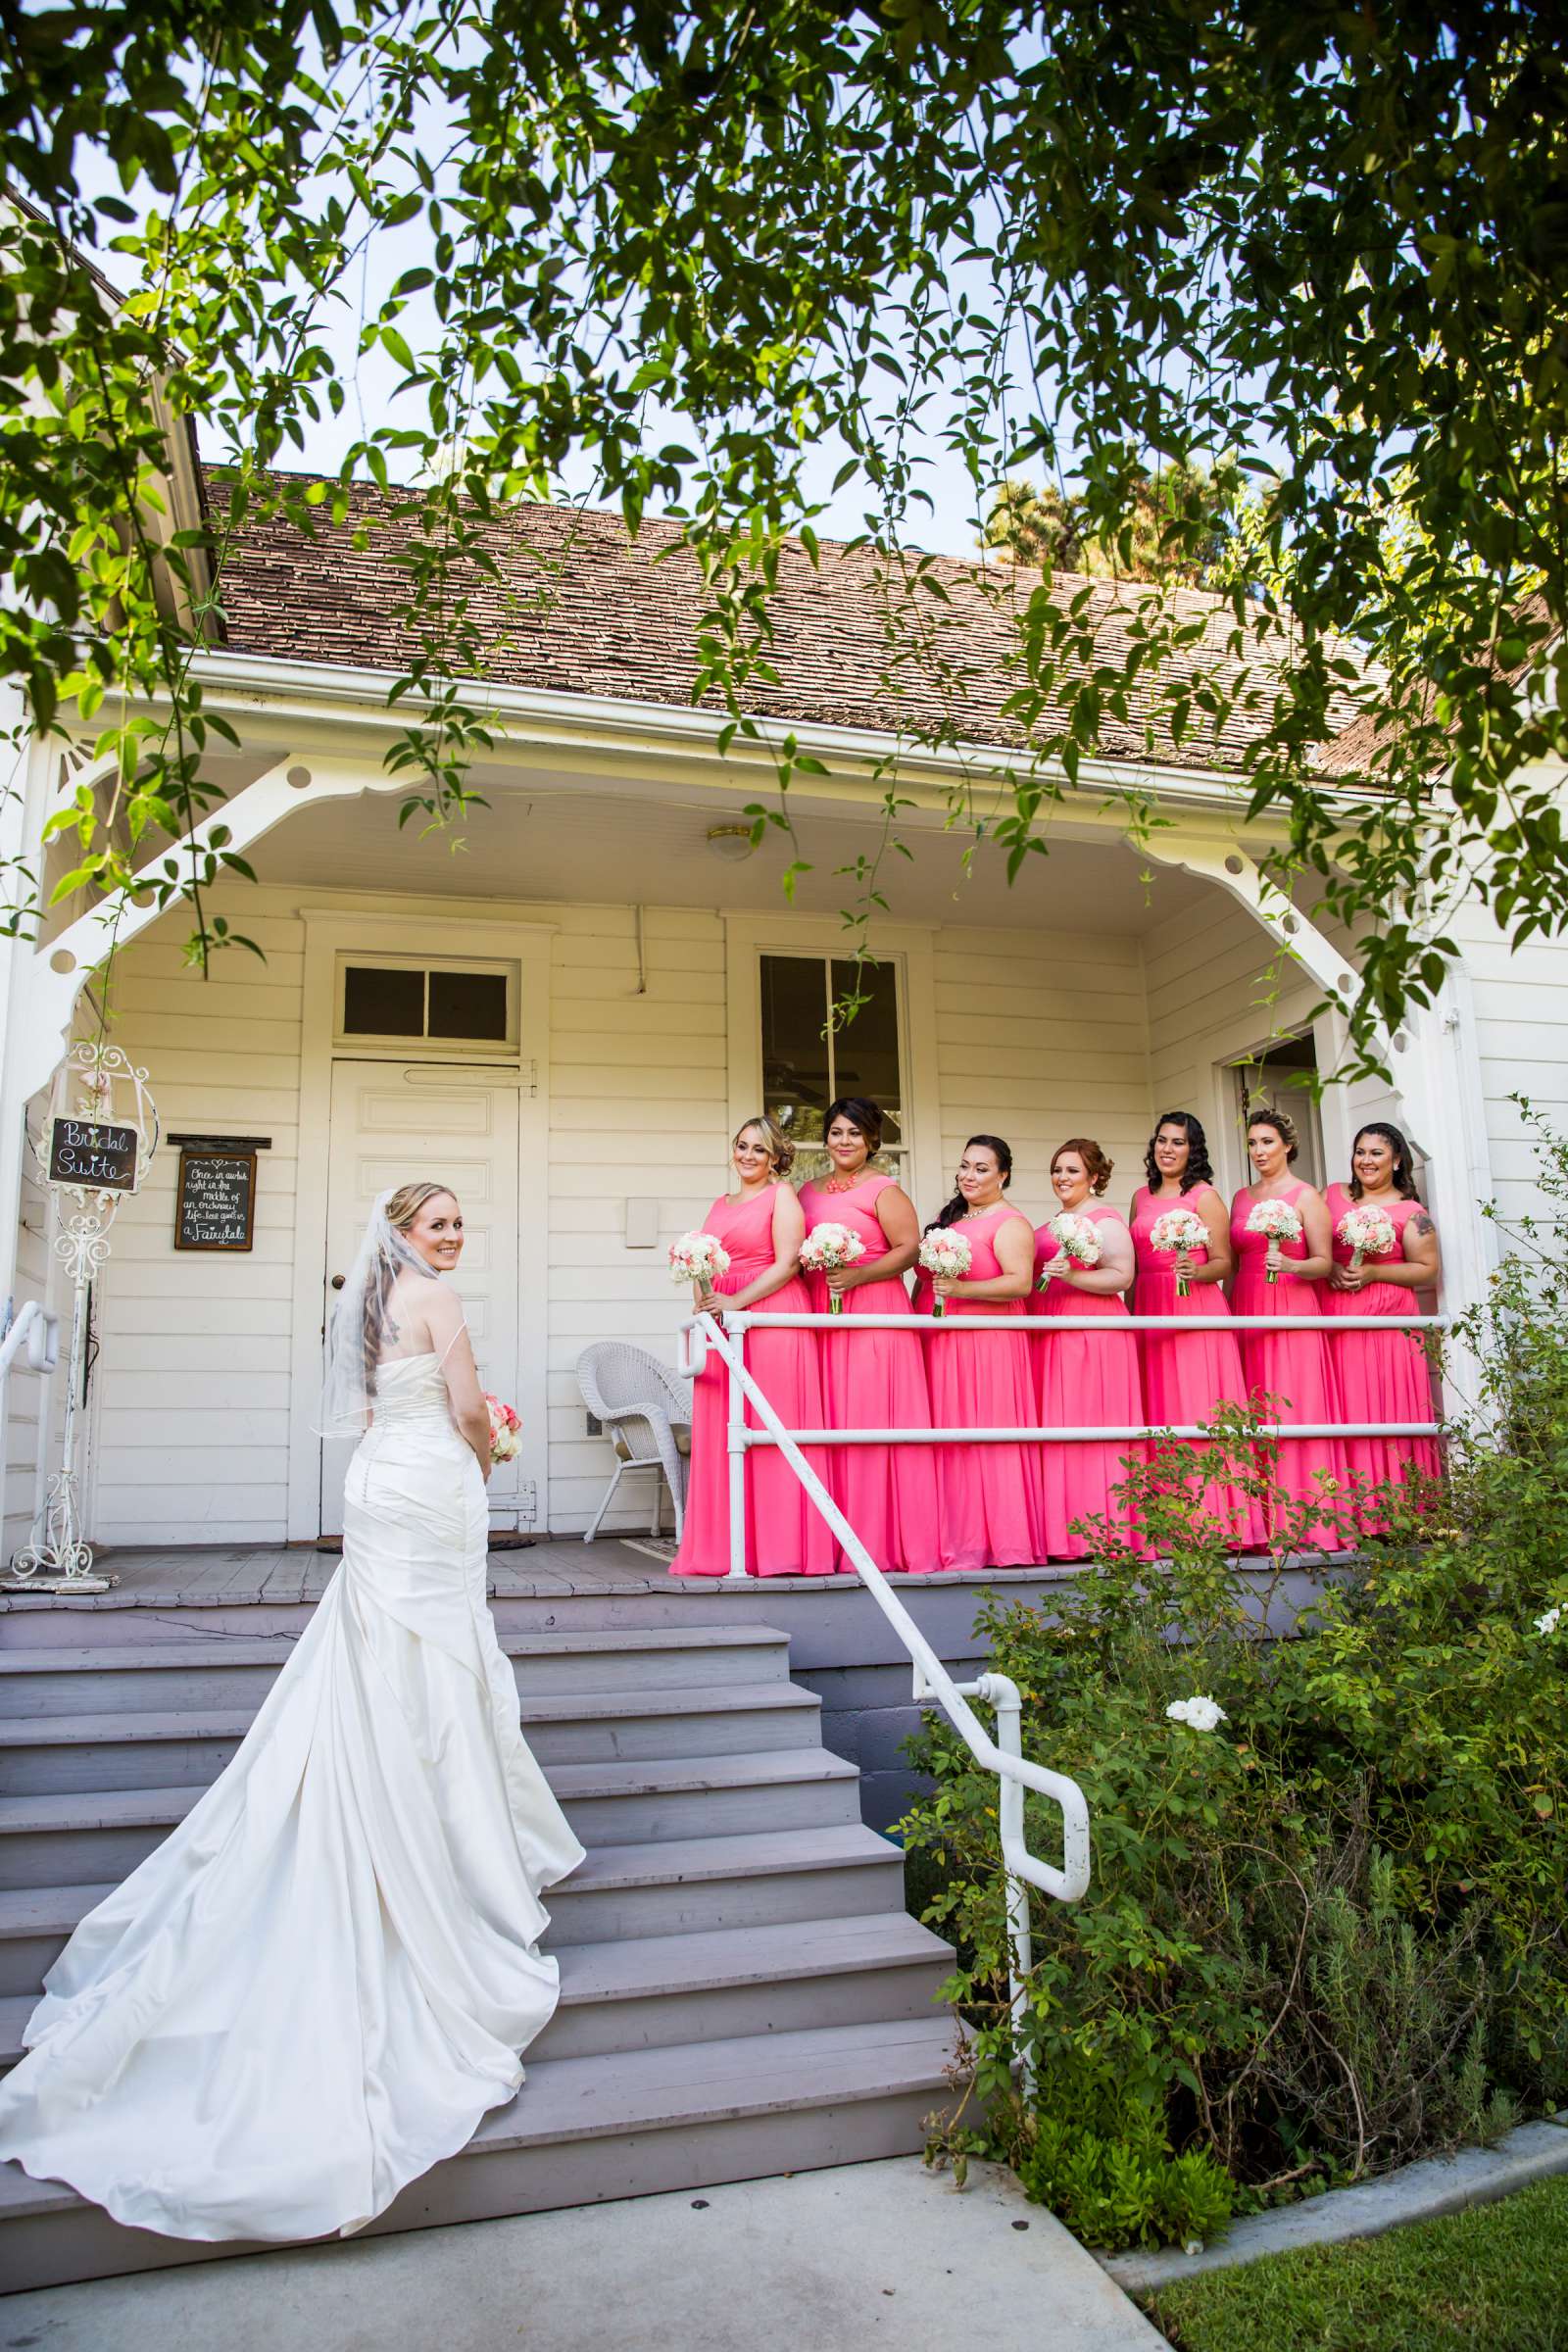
214, 1201
92, 1155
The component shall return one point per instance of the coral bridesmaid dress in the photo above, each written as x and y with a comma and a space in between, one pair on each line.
1383, 1376
1294, 1367
1186, 1375
991, 1507
1085, 1379
785, 1536
875, 1380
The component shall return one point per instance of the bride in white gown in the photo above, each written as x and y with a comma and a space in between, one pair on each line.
315, 1989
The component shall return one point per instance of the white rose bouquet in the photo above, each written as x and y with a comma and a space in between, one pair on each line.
826, 1247
945, 1253
1367, 1232
1182, 1230
1279, 1222
1077, 1241
505, 1430
699, 1257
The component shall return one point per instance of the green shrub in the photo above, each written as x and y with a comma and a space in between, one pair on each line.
1331, 1933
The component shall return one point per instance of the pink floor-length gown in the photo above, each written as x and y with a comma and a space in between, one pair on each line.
1383, 1376
1084, 1380
1189, 1375
785, 1536
991, 1506
1292, 1367
875, 1380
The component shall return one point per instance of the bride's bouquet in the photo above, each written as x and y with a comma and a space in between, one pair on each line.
1076, 1238
1184, 1231
825, 1249
1279, 1222
945, 1253
1368, 1233
699, 1257
505, 1430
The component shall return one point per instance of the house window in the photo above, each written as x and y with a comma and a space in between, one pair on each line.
1272, 1079
446, 1004
810, 1057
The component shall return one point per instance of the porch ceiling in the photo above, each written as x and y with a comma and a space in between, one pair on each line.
574, 845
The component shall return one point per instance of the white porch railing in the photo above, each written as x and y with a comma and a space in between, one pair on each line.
932, 1683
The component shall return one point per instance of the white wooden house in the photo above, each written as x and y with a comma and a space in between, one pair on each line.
568, 1015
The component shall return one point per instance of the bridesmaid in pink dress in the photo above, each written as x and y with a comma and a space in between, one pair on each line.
1187, 1377
1292, 1367
762, 1229
1384, 1376
990, 1501
1086, 1379
874, 1379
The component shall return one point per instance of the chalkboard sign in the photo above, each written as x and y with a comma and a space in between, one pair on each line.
216, 1202
99, 1158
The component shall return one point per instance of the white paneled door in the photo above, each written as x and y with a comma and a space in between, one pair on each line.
394, 1123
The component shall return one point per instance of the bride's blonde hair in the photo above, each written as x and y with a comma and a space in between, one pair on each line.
401, 1208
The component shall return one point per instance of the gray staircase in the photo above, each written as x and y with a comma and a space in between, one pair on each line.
742, 1992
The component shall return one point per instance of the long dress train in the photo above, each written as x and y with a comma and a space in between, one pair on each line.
875, 1380
1382, 1375
314, 1990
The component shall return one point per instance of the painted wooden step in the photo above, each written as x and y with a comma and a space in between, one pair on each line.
585, 2130
138, 1748
673, 1888
76, 1836
650, 1992
197, 1670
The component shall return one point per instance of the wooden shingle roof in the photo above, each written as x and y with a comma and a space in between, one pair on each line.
583, 607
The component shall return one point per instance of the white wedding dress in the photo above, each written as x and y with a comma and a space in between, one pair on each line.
316, 1987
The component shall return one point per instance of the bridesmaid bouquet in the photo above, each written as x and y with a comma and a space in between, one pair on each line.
945, 1253
697, 1258
825, 1249
505, 1430
1279, 1222
1076, 1238
1184, 1231
1368, 1232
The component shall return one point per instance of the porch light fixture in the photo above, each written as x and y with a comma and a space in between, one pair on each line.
732, 843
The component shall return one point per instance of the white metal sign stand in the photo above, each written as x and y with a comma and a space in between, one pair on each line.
98, 1143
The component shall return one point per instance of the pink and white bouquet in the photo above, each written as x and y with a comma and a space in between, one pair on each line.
1278, 1223
699, 1257
1368, 1233
505, 1430
1076, 1238
1184, 1231
945, 1253
825, 1249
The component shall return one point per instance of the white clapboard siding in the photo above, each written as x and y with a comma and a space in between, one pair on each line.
1520, 998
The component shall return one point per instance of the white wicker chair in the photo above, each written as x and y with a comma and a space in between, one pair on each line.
644, 1408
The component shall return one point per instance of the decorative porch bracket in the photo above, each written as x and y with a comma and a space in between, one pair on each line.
1433, 1062
57, 971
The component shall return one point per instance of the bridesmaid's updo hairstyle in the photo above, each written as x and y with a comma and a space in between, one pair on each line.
1200, 1167
862, 1113
957, 1204
1283, 1125
1404, 1164
775, 1142
1097, 1167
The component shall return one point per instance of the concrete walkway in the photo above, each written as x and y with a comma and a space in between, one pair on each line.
826, 2262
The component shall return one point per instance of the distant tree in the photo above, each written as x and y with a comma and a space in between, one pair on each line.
1180, 529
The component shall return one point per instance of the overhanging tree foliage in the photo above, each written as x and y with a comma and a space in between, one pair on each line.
1102, 242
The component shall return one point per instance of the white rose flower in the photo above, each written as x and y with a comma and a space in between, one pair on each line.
1200, 1714
1549, 1623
